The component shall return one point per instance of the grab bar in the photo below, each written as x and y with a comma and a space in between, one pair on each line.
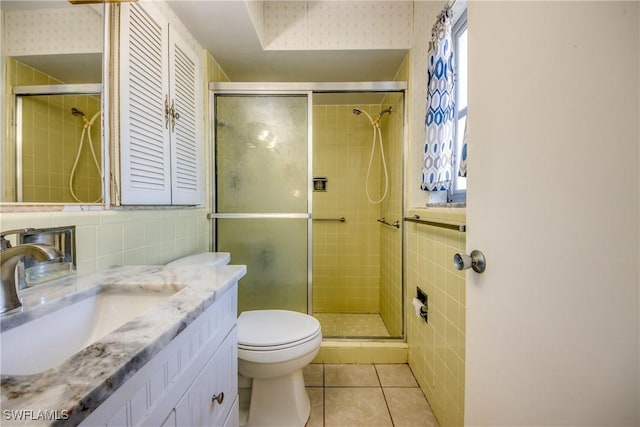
462, 228
341, 219
395, 224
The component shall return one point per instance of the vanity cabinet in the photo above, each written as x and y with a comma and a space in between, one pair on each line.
177, 387
161, 142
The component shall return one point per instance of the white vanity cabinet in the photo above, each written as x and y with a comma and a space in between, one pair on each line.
177, 387
161, 101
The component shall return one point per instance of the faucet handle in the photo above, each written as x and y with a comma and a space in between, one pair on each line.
4, 243
16, 231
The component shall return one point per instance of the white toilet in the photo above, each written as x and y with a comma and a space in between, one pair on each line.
273, 347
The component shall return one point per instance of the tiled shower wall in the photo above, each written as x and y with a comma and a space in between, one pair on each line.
346, 255
50, 141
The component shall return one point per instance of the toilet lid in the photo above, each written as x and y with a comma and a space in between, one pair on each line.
268, 328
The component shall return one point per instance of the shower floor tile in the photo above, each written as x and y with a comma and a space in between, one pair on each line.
351, 325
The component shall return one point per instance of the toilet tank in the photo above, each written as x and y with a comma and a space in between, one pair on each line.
206, 258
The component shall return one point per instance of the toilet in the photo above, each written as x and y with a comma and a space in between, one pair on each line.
204, 258
273, 347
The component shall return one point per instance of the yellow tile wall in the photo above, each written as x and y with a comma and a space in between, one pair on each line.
51, 138
437, 348
346, 256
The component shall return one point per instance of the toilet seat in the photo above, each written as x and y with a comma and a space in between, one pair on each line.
274, 329
277, 336
279, 347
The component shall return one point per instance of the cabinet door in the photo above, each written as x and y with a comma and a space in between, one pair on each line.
144, 132
220, 375
187, 144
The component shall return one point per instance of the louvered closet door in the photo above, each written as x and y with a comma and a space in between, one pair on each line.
187, 157
144, 137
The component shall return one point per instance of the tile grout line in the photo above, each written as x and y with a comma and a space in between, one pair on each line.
383, 395
324, 404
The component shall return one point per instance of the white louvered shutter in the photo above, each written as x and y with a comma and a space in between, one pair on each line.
187, 155
144, 137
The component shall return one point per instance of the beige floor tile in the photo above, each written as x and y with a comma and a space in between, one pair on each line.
409, 408
313, 375
398, 375
350, 376
355, 407
316, 395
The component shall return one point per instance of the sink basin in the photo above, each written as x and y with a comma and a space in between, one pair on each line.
49, 340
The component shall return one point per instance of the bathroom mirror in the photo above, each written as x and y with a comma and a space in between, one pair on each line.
51, 102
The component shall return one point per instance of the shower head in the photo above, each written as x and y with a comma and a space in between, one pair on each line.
358, 111
77, 112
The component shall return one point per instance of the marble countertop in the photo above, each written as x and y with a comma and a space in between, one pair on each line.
85, 380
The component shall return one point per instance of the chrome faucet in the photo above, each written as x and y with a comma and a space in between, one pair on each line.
9, 257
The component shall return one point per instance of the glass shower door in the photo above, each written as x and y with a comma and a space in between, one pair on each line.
262, 202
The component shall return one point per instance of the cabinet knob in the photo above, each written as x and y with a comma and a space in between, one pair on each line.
218, 398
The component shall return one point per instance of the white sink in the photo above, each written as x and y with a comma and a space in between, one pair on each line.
49, 340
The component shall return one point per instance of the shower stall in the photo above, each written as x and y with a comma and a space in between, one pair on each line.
309, 195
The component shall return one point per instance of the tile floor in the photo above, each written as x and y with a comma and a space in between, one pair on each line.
351, 325
367, 396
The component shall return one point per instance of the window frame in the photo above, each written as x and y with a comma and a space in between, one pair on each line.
455, 194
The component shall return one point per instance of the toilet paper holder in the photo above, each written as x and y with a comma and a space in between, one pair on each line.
422, 309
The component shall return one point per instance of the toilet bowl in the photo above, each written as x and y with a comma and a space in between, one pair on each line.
273, 347
205, 258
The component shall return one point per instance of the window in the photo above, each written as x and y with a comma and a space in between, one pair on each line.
458, 192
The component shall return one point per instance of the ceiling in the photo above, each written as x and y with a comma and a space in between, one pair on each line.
225, 29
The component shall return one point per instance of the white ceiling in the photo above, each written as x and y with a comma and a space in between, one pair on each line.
225, 29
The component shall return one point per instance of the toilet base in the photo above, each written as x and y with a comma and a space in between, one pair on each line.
279, 402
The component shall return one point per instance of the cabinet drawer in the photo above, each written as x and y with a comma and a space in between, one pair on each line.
219, 378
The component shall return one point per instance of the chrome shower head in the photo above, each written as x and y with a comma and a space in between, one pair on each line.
77, 112
357, 111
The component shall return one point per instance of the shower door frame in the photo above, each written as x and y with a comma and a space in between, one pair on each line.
308, 89
242, 89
